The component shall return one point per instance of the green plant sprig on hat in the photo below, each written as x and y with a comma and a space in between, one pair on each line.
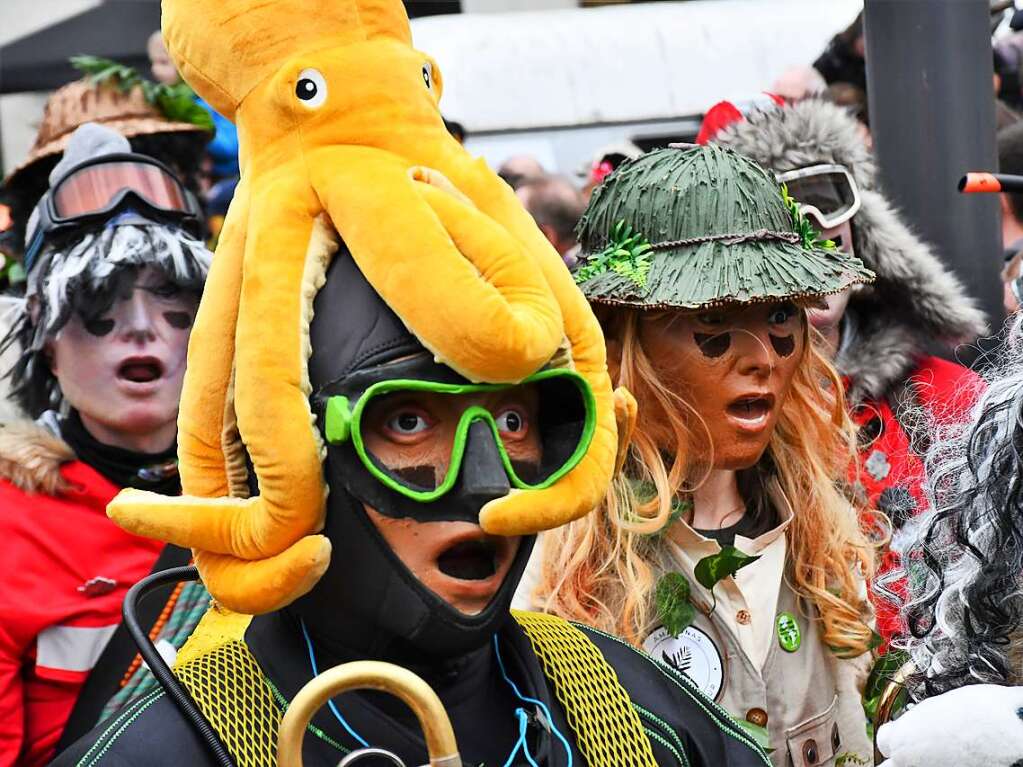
176, 102
627, 254
806, 230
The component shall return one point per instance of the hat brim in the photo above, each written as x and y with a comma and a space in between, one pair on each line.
712, 273
128, 127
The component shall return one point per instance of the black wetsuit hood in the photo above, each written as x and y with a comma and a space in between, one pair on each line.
368, 602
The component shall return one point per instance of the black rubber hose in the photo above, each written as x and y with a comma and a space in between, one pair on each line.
159, 667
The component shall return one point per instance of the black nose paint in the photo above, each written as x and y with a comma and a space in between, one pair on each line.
713, 345
784, 345
179, 320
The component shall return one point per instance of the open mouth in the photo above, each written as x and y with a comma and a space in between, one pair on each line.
140, 369
474, 560
752, 410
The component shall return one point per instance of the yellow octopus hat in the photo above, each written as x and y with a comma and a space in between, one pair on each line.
342, 139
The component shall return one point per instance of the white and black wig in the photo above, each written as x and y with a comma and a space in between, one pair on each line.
964, 558
85, 275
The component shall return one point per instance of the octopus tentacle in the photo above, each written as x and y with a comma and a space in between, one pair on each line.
265, 585
578, 492
210, 361
490, 315
271, 400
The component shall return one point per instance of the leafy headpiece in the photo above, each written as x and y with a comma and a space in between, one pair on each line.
696, 226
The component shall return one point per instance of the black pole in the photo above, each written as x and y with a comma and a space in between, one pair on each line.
932, 115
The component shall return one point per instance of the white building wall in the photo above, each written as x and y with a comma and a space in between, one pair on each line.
494, 6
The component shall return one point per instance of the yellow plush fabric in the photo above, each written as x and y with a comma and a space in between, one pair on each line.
440, 237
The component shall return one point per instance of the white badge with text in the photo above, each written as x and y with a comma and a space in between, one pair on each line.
693, 653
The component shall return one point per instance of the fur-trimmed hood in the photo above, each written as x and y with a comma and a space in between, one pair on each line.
916, 300
31, 457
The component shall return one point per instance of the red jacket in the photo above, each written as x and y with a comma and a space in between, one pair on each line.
66, 569
889, 473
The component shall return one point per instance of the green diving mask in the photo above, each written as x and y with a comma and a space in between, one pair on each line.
421, 438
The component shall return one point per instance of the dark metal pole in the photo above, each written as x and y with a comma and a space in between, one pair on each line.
932, 115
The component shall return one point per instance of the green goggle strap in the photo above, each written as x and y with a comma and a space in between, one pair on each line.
342, 423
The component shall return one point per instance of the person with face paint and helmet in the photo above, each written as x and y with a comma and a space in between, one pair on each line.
725, 549
413, 452
114, 271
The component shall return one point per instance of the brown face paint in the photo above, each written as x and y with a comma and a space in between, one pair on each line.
179, 320
783, 345
765, 345
713, 346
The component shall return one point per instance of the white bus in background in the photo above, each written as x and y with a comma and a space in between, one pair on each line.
561, 84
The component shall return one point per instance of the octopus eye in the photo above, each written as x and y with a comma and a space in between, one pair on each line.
428, 74
311, 88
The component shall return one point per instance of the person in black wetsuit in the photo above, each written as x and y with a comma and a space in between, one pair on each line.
414, 580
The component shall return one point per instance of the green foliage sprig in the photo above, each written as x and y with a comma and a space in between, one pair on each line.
672, 595
809, 234
175, 102
627, 253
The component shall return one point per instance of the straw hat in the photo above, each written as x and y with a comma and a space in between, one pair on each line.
692, 227
81, 102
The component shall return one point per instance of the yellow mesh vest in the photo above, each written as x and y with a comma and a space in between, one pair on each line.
227, 684
599, 711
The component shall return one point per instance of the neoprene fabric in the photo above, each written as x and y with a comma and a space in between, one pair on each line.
340, 132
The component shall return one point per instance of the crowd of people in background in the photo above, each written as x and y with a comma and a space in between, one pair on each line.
101, 288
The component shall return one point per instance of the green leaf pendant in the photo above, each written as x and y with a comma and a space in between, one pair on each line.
710, 570
790, 637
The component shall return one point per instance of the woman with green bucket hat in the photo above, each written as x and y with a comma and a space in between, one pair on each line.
726, 547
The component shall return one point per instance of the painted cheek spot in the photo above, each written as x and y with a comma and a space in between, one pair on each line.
713, 345
783, 345
99, 327
179, 320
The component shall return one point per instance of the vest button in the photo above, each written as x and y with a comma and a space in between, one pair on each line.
757, 716
743, 617
810, 752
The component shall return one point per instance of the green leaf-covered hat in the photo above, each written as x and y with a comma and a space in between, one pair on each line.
696, 226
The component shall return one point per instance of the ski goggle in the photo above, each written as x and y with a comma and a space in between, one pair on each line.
542, 427
828, 192
99, 187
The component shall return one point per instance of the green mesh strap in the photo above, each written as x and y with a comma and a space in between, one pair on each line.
599, 711
227, 684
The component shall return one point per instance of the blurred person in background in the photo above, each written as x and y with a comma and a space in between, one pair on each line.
880, 335
843, 61
797, 83
222, 150
604, 163
114, 274
521, 169
1010, 160
556, 206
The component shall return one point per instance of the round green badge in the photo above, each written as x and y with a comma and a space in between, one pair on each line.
789, 635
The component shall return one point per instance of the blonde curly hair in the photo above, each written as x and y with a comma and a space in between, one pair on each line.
602, 569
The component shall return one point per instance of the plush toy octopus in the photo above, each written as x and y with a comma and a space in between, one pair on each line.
341, 137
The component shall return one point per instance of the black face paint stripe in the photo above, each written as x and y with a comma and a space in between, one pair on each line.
713, 345
783, 345
418, 477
